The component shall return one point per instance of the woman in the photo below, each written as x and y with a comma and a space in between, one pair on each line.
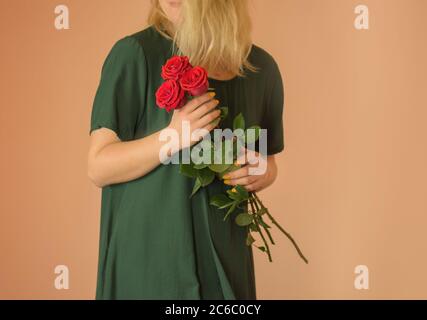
156, 242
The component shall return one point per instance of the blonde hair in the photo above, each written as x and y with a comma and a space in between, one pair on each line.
214, 34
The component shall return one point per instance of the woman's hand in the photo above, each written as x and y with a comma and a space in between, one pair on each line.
112, 161
199, 114
249, 175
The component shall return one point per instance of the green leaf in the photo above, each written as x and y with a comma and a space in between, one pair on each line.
224, 112
239, 122
220, 200
244, 219
263, 249
255, 132
231, 210
206, 176
253, 227
243, 193
263, 224
197, 186
238, 193
200, 166
227, 205
261, 211
233, 195
249, 239
188, 170
219, 168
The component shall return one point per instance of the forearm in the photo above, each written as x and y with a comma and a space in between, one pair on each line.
112, 161
120, 162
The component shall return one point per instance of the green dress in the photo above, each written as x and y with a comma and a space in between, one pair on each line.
156, 242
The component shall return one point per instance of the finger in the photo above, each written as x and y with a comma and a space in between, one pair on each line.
203, 110
254, 187
242, 158
197, 102
207, 119
248, 180
210, 127
239, 173
207, 128
249, 157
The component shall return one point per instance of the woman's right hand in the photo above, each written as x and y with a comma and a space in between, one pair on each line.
111, 161
199, 113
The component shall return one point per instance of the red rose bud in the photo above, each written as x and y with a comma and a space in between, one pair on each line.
175, 67
195, 81
170, 96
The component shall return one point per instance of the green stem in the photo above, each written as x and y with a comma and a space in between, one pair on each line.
267, 248
281, 228
266, 229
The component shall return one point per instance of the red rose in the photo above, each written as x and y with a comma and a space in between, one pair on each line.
195, 81
170, 96
175, 67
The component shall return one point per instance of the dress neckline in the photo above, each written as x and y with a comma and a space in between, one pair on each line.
223, 81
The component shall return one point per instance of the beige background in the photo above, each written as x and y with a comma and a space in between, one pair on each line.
352, 184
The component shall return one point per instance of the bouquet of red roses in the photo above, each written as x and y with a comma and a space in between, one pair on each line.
182, 83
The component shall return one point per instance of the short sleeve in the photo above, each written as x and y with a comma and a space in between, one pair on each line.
121, 94
273, 114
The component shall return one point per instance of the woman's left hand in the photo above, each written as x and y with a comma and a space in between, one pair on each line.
251, 175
